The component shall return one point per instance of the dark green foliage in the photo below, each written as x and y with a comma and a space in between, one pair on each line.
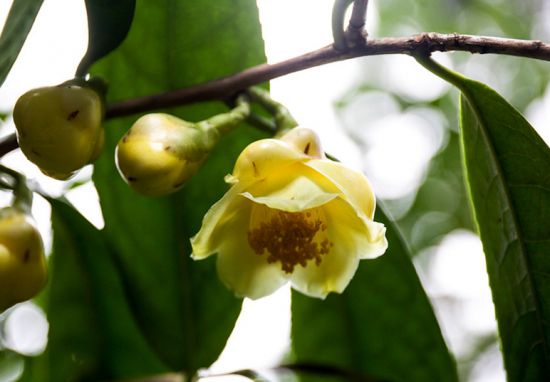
92, 335
508, 172
15, 31
108, 25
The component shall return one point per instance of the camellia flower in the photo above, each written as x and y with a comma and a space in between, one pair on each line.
290, 215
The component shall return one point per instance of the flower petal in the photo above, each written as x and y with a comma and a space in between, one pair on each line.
259, 159
350, 237
352, 184
293, 189
377, 243
215, 223
304, 140
242, 270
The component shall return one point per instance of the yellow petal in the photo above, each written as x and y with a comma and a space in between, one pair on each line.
293, 189
305, 141
354, 186
245, 272
377, 243
215, 223
351, 241
263, 157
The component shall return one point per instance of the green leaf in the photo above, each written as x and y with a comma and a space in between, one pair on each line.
108, 25
18, 24
181, 306
381, 326
92, 334
508, 173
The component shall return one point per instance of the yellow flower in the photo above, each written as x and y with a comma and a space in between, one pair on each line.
290, 215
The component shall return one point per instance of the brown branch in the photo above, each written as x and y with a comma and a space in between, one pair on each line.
223, 88
7, 144
419, 44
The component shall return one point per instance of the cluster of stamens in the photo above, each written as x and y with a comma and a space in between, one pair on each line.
290, 238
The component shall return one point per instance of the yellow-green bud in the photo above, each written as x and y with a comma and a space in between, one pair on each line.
22, 260
59, 127
160, 153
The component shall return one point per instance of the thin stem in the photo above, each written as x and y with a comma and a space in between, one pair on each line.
446, 74
356, 33
283, 119
262, 123
222, 88
338, 14
7, 144
21, 193
221, 124
258, 121
358, 14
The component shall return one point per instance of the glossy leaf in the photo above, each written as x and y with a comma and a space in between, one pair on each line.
108, 25
181, 306
382, 326
18, 24
508, 173
92, 334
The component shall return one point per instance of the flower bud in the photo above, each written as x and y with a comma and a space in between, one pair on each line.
263, 157
304, 140
160, 153
59, 127
22, 260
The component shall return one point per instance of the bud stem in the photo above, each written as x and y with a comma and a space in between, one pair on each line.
338, 14
22, 194
221, 124
283, 119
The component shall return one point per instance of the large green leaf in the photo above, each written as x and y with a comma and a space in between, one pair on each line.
18, 24
382, 325
185, 312
508, 172
108, 25
92, 335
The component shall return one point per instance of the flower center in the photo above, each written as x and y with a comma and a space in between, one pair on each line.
289, 237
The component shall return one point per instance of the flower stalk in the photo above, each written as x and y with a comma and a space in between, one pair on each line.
22, 195
284, 121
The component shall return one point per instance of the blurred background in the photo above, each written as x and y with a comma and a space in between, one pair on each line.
384, 115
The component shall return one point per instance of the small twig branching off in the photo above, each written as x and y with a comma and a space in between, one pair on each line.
356, 33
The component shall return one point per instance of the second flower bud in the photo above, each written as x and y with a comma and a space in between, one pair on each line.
160, 153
